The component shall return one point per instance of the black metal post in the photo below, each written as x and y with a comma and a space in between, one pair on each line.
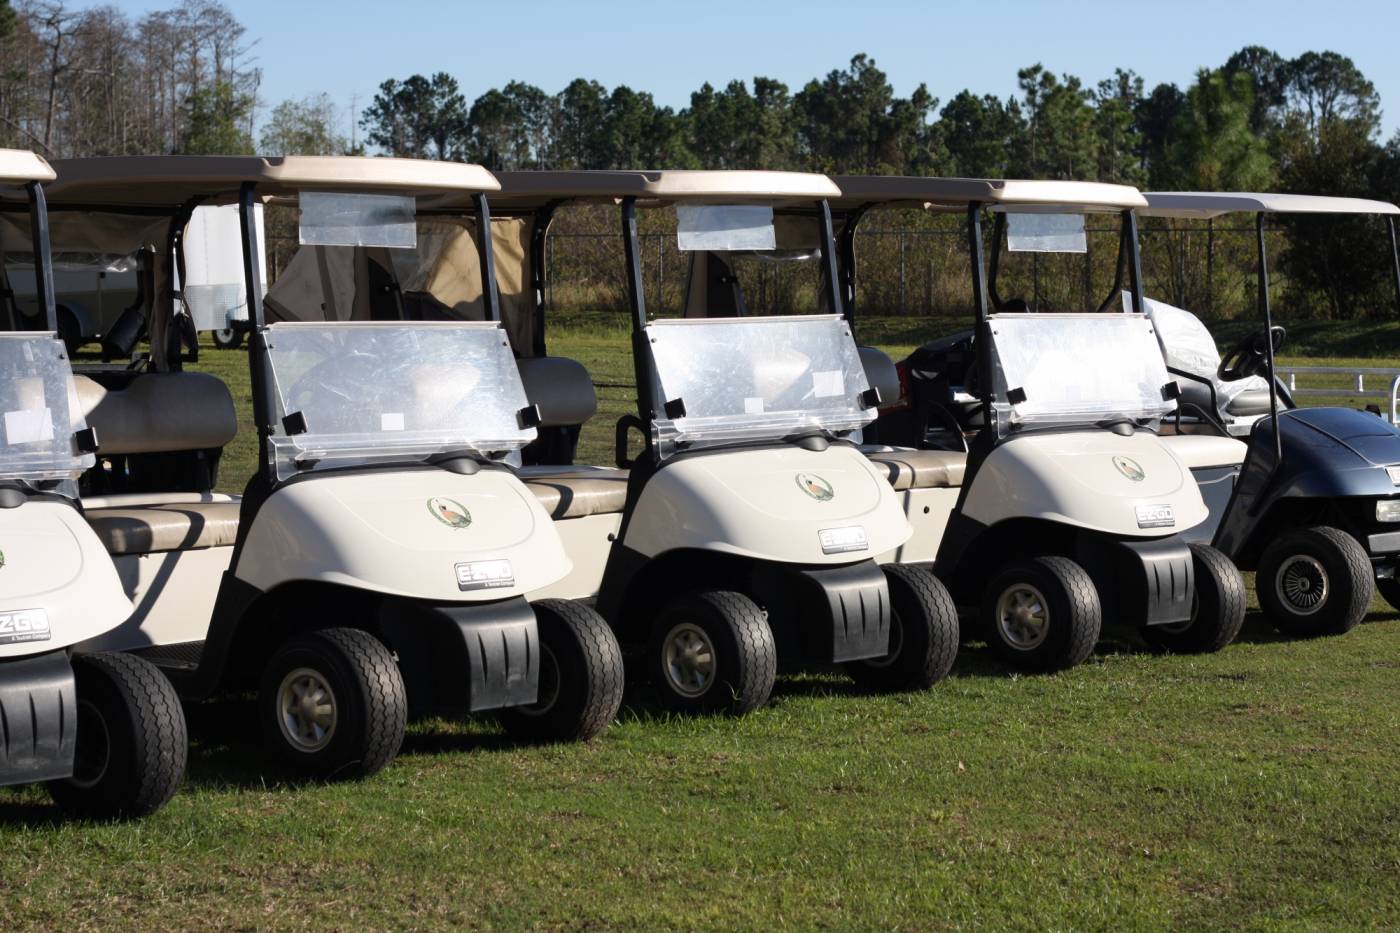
1267, 311
539, 232
830, 276
641, 354
1394, 257
43, 259
979, 303
490, 295
264, 391
846, 251
1130, 247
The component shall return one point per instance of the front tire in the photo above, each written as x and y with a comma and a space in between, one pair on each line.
923, 634
131, 743
1042, 614
1217, 610
712, 652
580, 676
333, 704
1315, 581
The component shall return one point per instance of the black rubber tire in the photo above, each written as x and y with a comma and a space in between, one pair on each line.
1074, 614
580, 676
746, 657
924, 634
1349, 575
129, 703
230, 338
371, 703
1389, 588
69, 331
1217, 611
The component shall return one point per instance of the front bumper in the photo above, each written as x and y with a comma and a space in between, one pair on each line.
38, 718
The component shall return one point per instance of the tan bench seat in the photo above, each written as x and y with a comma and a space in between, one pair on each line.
920, 469
173, 527
573, 492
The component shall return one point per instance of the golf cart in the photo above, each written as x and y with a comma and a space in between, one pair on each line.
379, 561
104, 730
744, 532
1028, 447
1312, 508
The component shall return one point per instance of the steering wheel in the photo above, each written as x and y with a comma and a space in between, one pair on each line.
335, 390
1246, 358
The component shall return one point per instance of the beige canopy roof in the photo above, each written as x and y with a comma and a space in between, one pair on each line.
154, 181
953, 193
20, 166
530, 190
1203, 205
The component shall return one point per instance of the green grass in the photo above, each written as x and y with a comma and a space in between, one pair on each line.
1255, 787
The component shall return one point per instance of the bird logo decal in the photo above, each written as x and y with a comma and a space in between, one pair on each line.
451, 513
1130, 469
816, 487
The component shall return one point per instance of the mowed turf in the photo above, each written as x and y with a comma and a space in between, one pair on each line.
1255, 787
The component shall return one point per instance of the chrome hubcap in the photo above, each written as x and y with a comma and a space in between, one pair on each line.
1023, 618
1302, 584
306, 710
688, 660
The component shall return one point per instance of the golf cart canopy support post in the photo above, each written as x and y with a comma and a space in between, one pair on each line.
43, 264
1266, 310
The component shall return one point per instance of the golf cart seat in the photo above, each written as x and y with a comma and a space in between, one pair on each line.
160, 414
563, 390
1249, 402
1201, 451
574, 492
881, 374
919, 469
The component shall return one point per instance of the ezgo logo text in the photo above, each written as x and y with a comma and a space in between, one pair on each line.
24, 625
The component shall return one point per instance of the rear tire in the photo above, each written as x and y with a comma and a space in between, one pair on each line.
712, 652
132, 744
333, 704
923, 634
1315, 581
1217, 610
230, 338
580, 676
1042, 614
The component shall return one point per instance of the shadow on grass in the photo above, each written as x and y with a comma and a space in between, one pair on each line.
34, 815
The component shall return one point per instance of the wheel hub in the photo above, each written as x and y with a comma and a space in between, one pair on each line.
688, 660
306, 710
1302, 584
1023, 618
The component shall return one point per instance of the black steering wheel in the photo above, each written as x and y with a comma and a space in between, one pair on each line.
334, 389
1246, 358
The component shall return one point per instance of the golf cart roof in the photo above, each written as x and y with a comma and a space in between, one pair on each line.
947, 194
172, 181
20, 166
1203, 205
531, 190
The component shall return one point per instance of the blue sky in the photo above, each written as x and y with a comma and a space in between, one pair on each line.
347, 48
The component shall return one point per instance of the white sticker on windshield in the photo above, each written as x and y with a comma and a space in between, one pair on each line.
753, 406
722, 227
28, 425
828, 383
391, 421
1046, 233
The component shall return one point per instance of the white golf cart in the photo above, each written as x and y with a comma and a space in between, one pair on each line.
1027, 449
745, 531
104, 730
1307, 498
378, 563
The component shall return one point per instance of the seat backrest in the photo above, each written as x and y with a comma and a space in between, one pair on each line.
561, 387
158, 413
881, 374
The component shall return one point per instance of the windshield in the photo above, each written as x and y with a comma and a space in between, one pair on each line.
755, 377
393, 391
40, 410
1076, 369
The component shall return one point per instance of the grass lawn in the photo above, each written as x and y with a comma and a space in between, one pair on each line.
1256, 787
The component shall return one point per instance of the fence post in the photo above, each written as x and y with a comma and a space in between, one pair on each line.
1210, 266
903, 289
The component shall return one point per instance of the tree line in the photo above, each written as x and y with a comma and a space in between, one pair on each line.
94, 81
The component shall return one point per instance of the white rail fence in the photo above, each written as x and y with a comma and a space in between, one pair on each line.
1359, 373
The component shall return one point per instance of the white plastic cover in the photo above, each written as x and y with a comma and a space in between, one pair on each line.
333, 219
212, 307
721, 227
1077, 368
1045, 233
756, 377
1191, 348
39, 410
213, 249
394, 391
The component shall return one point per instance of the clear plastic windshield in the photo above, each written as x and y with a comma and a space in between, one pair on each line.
39, 410
1076, 369
393, 391
755, 377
